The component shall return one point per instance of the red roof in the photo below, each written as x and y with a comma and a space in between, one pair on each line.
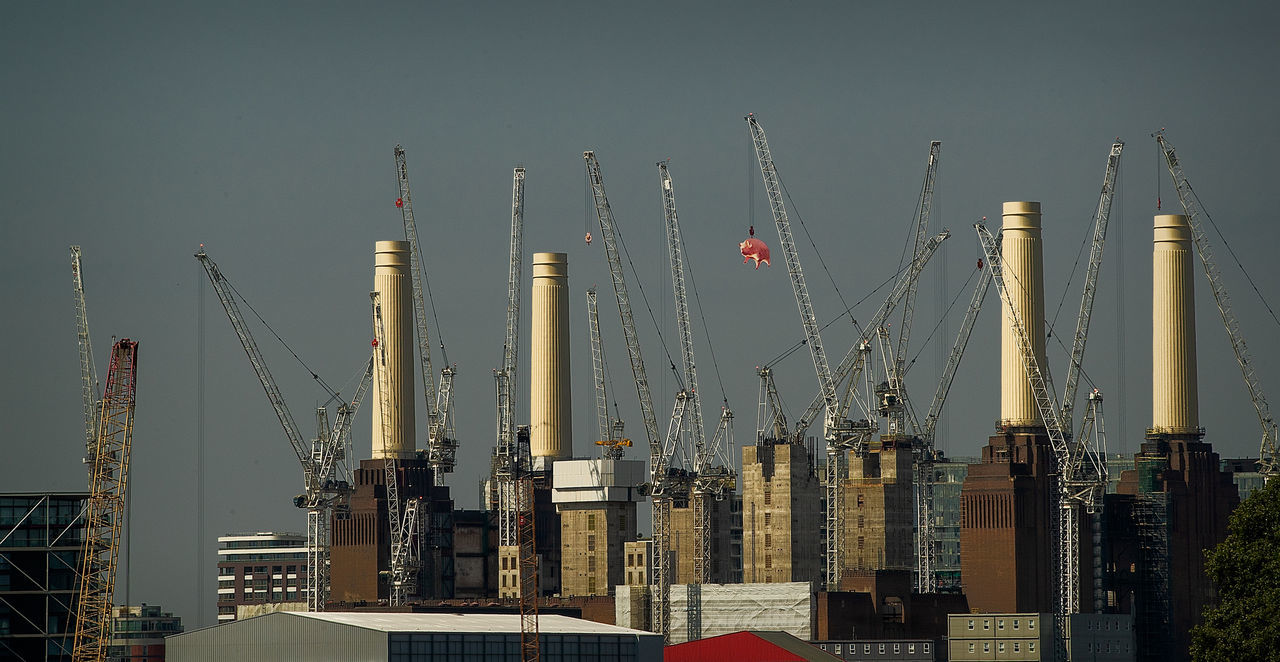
748, 647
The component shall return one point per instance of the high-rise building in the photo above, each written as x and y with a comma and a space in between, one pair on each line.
725, 517
260, 567
781, 513
41, 545
597, 501
879, 507
949, 479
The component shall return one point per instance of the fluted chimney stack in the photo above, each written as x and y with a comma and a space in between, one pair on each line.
550, 407
1022, 256
394, 284
1174, 398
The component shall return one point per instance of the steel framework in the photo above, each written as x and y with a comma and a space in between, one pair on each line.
505, 453
108, 480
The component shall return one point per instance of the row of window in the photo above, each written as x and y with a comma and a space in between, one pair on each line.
986, 623
881, 649
477, 647
986, 647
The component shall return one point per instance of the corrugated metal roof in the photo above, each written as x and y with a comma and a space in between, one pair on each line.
480, 623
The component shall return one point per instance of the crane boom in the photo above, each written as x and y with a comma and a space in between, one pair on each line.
675, 251
659, 450
1101, 218
108, 480
504, 376
88, 371
441, 449
923, 211
812, 335
1268, 462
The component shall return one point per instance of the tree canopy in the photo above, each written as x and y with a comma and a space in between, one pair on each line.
1244, 624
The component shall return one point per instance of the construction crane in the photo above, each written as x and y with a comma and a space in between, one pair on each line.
1268, 461
1050, 413
661, 484
610, 429
88, 371
405, 560
108, 480
709, 482
326, 473
505, 456
442, 448
527, 560
837, 440
926, 533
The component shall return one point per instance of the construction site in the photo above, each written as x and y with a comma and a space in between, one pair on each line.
825, 525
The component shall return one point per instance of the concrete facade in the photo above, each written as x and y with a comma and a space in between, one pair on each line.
1033, 636
596, 500
726, 536
781, 514
879, 509
550, 397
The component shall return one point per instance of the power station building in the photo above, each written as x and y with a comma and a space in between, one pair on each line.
781, 497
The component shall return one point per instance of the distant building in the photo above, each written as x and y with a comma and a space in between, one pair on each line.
1029, 636
403, 637
138, 632
1244, 472
879, 507
889, 650
257, 568
41, 541
781, 513
596, 500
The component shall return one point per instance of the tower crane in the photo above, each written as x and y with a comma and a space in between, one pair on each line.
837, 439
405, 561
661, 484
325, 469
505, 454
527, 559
1268, 461
708, 482
610, 429
108, 480
442, 448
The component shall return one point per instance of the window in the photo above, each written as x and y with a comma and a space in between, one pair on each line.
1000, 624
861, 540
986, 647
926, 648
861, 521
911, 648
1000, 647
640, 559
591, 564
767, 517
768, 540
631, 559
897, 649
971, 624
837, 649
866, 649
768, 560
986, 624
591, 543
971, 647
591, 522
1031, 646
860, 500
591, 584
882, 649
1031, 623
1015, 624
1016, 644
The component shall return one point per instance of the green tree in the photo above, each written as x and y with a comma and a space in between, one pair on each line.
1244, 625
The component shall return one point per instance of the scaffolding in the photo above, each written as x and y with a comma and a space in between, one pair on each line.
1154, 603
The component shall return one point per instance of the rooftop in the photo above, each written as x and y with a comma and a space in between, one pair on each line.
478, 623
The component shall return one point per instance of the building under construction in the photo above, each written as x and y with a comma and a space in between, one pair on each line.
781, 493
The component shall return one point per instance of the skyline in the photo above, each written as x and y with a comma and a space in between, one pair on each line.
267, 135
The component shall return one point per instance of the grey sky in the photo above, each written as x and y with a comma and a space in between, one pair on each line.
140, 130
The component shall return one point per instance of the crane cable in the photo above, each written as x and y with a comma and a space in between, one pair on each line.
332, 393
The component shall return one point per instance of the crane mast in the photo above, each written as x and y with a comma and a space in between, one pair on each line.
441, 447
326, 474
527, 559
660, 452
108, 480
88, 371
506, 456
1041, 387
1268, 462
404, 578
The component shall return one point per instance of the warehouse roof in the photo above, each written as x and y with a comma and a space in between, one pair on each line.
483, 623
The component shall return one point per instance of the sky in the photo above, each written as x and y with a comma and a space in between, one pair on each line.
265, 131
